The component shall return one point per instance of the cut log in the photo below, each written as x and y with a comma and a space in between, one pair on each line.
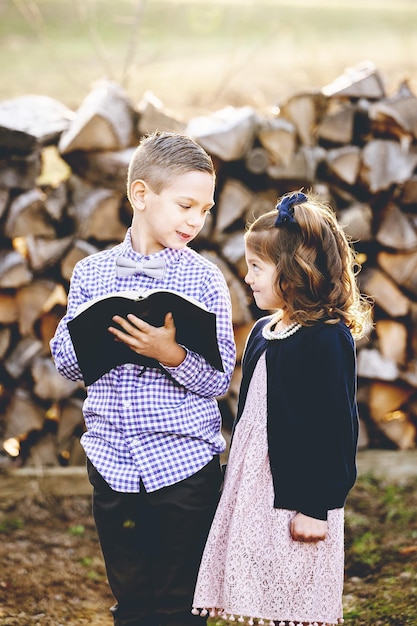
401, 267
233, 203
409, 375
103, 169
385, 163
49, 384
356, 221
409, 191
396, 117
4, 201
23, 415
30, 301
19, 171
233, 250
336, 127
96, 212
303, 167
43, 452
397, 230
241, 333
153, 116
385, 398
5, 342
392, 340
27, 216
257, 160
55, 202
78, 251
278, 137
8, 308
105, 120
228, 133
401, 430
55, 171
31, 120
43, 252
22, 356
47, 326
238, 295
385, 292
262, 202
14, 270
70, 420
345, 163
372, 364
305, 110
413, 317
361, 81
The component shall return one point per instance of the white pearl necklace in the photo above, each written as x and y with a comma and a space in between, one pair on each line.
268, 333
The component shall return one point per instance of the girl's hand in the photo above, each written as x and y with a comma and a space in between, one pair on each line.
155, 342
308, 529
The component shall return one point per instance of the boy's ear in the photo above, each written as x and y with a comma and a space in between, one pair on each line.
137, 193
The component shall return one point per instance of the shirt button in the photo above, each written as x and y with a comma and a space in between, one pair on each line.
129, 366
126, 403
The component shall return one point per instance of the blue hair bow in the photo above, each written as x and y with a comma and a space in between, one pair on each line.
285, 208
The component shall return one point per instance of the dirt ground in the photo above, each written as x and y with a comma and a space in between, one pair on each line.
52, 572
51, 569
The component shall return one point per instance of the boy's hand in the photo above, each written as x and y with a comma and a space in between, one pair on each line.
308, 529
155, 342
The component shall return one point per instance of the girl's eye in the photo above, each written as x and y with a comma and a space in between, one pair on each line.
185, 206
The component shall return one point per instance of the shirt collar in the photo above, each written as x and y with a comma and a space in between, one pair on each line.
171, 256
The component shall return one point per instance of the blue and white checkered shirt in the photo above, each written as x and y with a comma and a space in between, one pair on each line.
140, 425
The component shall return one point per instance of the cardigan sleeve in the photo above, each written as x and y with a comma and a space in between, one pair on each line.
334, 428
313, 431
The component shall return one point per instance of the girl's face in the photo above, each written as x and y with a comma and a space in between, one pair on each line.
262, 280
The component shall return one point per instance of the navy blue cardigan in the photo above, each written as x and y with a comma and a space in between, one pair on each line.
312, 418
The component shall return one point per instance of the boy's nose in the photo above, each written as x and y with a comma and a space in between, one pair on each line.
195, 219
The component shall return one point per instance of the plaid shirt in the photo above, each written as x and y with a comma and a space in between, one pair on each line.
140, 425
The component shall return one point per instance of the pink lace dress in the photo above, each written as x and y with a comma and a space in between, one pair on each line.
252, 571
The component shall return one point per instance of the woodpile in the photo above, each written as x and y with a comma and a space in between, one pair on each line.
62, 197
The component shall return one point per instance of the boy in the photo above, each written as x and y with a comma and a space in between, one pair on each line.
153, 434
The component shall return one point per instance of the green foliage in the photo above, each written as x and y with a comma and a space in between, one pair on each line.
8, 525
76, 531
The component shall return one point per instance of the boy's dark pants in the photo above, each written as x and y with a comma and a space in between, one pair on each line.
152, 545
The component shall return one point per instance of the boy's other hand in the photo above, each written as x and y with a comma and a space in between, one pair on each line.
154, 342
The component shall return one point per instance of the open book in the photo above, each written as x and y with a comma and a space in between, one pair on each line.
98, 352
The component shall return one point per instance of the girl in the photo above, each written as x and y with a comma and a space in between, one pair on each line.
275, 553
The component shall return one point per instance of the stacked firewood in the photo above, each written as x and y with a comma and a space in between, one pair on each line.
62, 197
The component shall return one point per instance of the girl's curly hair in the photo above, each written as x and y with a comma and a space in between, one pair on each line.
316, 266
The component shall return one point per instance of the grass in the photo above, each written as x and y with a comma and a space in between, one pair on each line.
200, 55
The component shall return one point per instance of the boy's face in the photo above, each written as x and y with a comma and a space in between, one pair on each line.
175, 216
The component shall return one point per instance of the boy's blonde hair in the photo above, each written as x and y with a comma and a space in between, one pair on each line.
162, 155
315, 266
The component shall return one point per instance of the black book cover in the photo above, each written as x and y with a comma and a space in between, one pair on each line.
98, 352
